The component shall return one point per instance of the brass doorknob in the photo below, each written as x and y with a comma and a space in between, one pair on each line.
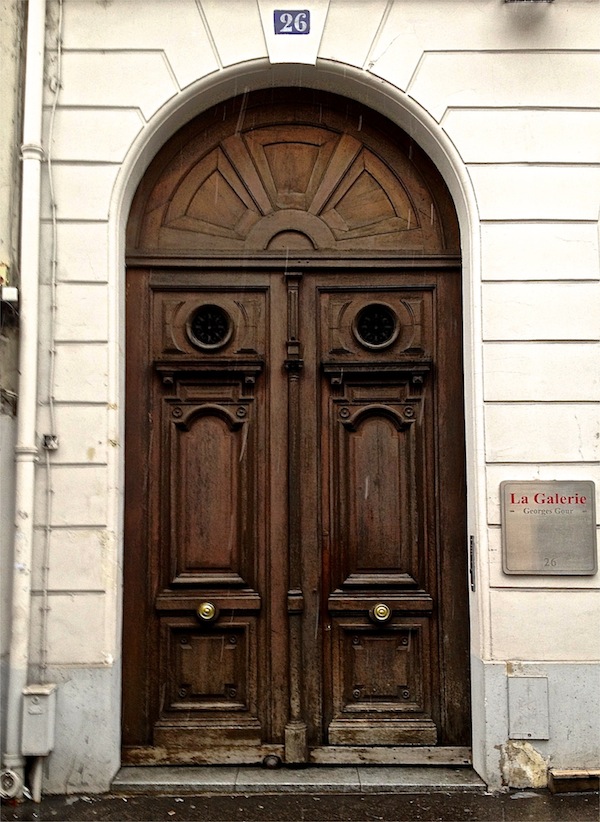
207, 612
380, 613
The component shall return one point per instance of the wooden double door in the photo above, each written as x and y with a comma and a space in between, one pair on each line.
295, 558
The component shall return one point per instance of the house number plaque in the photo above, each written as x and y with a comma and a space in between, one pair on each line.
292, 22
548, 528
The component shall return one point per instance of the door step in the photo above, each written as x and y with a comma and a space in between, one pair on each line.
227, 779
567, 781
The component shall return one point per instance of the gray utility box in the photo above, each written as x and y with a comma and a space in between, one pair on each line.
39, 719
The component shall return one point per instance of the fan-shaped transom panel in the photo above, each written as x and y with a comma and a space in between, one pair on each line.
275, 176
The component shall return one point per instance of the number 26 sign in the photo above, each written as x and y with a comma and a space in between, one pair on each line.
292, 21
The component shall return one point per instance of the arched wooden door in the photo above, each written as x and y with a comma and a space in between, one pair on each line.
295, 550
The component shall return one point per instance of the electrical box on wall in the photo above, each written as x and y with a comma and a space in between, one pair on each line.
39, 719
9, 294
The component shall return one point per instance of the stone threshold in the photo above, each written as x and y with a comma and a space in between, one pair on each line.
323, 779
568, 781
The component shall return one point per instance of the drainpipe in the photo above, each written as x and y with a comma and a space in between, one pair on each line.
26, 451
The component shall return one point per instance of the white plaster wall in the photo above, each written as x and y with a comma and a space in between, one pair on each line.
506, 99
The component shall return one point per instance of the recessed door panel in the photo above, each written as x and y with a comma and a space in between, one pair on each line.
377, 485
381, 693
372, 476
205, 456
210, 671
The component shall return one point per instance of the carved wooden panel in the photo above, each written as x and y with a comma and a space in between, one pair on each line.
210, 679
376, 344
382, 688
355, 201
176, 316
208, 347
263, 179
345, 339
208, 669
210, 462
375, 510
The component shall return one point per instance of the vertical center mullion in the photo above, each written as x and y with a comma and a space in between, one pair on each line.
296, 749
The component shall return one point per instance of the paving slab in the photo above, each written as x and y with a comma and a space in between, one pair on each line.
406, 779
298, 780
142, 779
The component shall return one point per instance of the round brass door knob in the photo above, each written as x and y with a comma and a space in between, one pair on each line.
207, 612
380, 613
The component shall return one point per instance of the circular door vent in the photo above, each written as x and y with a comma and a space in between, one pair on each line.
209, 327
376, 326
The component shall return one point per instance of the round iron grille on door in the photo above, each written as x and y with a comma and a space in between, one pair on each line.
376, 326
209, 326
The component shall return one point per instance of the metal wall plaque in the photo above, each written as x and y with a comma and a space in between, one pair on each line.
295, 21
548, 528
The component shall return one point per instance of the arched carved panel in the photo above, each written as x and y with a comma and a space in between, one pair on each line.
378, 461
206, 506
344, 185
374, 458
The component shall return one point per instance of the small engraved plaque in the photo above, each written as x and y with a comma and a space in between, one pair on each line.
548, 528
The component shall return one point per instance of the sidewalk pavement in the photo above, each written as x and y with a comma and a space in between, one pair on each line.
309, 795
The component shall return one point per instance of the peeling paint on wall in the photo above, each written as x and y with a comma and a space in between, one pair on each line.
522, 766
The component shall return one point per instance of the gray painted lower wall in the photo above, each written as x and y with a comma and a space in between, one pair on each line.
87, 751
572, 716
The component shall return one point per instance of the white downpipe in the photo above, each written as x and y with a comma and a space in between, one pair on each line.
26, 450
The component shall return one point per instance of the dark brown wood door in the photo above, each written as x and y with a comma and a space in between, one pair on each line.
295, 575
